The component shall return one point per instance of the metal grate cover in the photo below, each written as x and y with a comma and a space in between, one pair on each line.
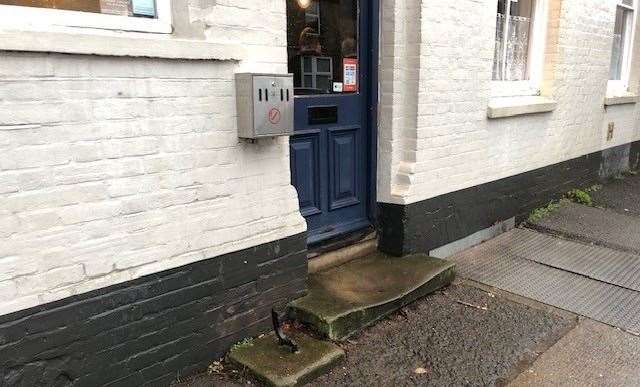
588, 280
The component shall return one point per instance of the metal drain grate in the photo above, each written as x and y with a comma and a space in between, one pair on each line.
599, 263
512, 262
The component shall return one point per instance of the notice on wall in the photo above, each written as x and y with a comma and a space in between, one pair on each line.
350, 69
144, 7
115, 7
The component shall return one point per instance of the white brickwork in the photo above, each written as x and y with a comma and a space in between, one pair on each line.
116, 167
436, 60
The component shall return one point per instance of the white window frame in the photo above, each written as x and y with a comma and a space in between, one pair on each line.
39, 19
535, 56
621, 86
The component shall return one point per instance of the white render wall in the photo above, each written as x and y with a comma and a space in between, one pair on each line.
453, 145
116, 167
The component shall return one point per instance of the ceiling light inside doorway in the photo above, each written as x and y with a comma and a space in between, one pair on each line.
304, 4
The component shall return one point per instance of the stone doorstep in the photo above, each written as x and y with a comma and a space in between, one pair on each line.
345, 299
276, 366
341, 256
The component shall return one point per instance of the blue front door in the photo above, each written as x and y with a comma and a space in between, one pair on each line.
329, 52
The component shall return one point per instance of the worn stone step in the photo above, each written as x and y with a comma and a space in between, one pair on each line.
344, 299
275, 366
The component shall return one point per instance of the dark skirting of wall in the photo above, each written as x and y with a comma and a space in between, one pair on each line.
634, 156
432, 223
615, 160
150, 330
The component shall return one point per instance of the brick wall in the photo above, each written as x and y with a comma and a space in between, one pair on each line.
426, 225
450, 144
112, 168
156, 328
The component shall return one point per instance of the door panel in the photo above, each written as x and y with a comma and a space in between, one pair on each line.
343, 168
305, 162
328, 56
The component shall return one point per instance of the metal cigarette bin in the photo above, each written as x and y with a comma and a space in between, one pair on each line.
264, 105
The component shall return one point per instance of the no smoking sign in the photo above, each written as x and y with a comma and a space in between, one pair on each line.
274, 116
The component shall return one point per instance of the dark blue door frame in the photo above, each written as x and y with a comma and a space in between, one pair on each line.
334, 165
372, 117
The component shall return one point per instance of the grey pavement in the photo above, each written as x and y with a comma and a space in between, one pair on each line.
585, 260
621, 195
599, 226
592, 354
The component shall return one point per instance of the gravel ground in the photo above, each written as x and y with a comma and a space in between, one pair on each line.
459, 336
445, 340
621, 195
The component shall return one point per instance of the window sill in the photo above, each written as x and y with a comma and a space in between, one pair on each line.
111, 43
622, 99
516, 106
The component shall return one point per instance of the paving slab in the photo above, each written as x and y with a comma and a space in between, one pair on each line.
492, 264
343, 300
593, 225
621, 195
592, 354
276, 366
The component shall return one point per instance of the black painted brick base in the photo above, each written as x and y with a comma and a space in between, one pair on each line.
155, 328
634, 156
432, 223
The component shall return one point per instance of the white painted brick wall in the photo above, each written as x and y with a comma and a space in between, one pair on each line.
453, 145
113, 168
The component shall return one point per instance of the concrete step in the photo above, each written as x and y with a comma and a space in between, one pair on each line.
344, 299
276, 366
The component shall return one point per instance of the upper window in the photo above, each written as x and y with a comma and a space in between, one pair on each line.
513, 33
622, 41
127, 15
519, 47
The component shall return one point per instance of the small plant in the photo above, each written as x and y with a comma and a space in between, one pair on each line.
247, 342
580, 196
539, 213
215, 368
594, 188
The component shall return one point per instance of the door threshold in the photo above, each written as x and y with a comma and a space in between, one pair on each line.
339, 251
339, 232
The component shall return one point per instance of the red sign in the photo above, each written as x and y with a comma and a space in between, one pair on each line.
350, 74
274, 116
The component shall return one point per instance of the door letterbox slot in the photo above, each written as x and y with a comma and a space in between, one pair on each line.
320, 115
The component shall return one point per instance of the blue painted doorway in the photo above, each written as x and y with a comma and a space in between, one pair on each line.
329, 51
